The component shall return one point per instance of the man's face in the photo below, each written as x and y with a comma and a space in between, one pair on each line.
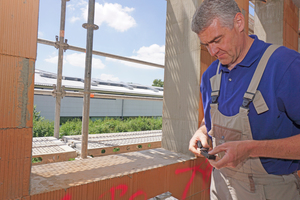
222, 42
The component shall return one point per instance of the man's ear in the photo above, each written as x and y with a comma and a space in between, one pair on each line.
239, 22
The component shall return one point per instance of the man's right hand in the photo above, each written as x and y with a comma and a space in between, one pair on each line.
199, 136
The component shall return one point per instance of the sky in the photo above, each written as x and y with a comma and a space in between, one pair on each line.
251, 10
128, 28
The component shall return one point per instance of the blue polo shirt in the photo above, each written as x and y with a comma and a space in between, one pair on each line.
280, 87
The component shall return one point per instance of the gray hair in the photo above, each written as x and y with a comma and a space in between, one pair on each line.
225, 10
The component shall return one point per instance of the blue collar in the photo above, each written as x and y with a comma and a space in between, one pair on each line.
253, 54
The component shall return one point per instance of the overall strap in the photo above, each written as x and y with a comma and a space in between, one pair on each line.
215, 83
249, 95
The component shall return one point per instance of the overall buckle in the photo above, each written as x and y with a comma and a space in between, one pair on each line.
246, 103
214, 99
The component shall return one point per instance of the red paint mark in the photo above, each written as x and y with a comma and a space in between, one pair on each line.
205, 174
112, 190
66, 197
102, 195
124, 189
138, 193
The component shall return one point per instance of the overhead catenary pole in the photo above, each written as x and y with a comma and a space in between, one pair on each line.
90, 26
60, 45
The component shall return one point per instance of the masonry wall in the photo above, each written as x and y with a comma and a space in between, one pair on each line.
182, 76
277, 22
18, 31
186, 180
290, 24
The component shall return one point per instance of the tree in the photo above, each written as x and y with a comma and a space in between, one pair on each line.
36, 115
158, 83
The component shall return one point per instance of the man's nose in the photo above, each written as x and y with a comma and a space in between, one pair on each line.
213, 49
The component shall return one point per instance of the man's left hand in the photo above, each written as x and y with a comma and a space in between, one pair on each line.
235, 153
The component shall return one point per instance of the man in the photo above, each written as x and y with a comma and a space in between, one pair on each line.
251, 99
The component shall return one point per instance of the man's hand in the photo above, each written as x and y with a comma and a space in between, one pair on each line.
202, 136
198, 136
235, 153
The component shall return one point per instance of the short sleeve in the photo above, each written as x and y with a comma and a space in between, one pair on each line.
205, 93
288, 92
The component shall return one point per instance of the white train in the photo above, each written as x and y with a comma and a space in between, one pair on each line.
108, 98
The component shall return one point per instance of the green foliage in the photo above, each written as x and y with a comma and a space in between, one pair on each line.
65, 119
71, 127
44, 128
158, 83
36, 160
41, 127
110, 125
36, 114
